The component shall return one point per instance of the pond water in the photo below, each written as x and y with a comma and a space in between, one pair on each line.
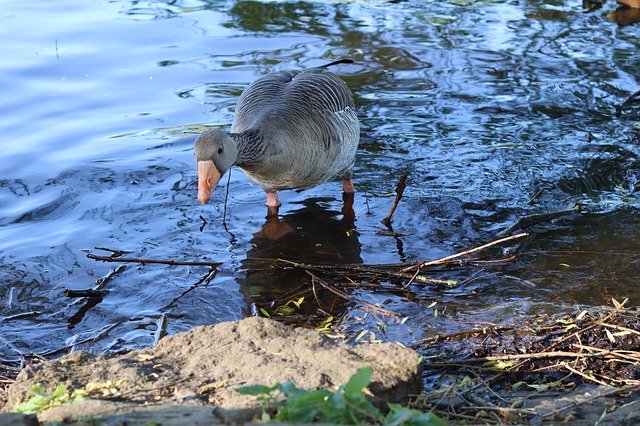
497, 109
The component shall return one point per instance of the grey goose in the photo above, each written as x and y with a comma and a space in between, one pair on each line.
291, 130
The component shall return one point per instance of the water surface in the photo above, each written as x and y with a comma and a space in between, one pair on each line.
498, 109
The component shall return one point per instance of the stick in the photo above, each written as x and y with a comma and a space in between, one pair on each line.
370, 270
631, 388
102, 281
402, 184
161, 330
554, 39
464, 253
553, 354
204, 221
88, 292
365, 305
159, 261
115, 253
206, 280
533, 219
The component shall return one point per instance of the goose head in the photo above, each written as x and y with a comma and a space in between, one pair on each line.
215, 153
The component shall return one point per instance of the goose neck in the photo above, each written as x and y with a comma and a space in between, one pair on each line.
251, 147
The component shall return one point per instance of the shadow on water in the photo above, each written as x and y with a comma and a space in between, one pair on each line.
311, 234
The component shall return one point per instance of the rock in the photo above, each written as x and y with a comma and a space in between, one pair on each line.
204, 366
106, 413
15, 419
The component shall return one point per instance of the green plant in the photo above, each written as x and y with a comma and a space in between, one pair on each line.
38, 400
347, 405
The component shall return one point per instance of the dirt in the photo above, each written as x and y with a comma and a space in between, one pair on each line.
581, 368
204, 366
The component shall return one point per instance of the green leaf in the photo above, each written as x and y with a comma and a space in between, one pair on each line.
255, 390
359, 381
33, 405
399, 415
60, 391
264, 312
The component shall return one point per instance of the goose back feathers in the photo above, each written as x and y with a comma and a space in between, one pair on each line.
296, 129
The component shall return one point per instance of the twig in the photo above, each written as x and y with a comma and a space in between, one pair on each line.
466, 252
533, 219
626, 103
102, 281
204, 222
369, 270
161, 330
206, 280
575, 404
583, 375
554, 39
593, 325
115, 253
21, 315
148, 261
366, 305
402, 184
88, 292
509, 357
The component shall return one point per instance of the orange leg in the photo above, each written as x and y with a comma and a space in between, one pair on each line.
347, 186
272, 203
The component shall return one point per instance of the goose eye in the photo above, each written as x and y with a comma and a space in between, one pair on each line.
219, 150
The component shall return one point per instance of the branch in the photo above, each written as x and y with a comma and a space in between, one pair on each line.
147, 261
464, 253
533, 219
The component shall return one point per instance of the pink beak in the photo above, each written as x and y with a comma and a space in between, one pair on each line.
208, 177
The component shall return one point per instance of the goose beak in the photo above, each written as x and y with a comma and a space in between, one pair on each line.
208, 177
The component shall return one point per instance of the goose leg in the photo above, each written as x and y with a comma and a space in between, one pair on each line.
272, 203
347, 186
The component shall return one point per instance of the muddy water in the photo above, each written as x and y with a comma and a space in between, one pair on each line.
497, 109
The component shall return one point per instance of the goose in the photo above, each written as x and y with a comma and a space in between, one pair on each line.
292, 129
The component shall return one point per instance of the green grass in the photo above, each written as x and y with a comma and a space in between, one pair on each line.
38, 400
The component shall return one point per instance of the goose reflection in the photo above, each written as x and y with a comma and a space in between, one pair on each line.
311, 234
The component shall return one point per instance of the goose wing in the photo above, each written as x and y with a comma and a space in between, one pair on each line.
312, 105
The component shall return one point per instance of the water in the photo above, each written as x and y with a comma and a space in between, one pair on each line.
498, 109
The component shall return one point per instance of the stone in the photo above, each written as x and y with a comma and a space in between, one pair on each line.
202, 368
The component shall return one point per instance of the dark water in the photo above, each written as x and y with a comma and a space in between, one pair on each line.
497, 109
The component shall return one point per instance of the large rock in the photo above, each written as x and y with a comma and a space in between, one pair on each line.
204, 366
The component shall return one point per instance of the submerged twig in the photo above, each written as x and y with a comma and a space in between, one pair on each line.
147, 260
205, 279
533, 219
204, 223
402, 184
554, 39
